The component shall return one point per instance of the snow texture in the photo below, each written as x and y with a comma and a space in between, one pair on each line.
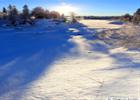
50, 61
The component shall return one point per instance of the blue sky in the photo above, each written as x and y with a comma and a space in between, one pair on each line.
82, 7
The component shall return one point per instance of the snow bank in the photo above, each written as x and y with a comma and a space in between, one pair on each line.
127, 36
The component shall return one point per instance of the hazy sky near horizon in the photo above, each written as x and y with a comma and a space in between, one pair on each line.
81, 7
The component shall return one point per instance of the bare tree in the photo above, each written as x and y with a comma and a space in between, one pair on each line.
54, 15
47, 14
38, 12
63, 18
73, 17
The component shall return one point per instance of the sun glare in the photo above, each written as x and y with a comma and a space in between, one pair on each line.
65, 8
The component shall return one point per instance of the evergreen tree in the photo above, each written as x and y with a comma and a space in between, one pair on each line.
136, 17
9, 9
4, 13
12, 15
127, 18
4, 10
25, 14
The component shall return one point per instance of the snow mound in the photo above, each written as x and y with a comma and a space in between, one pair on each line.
127, 36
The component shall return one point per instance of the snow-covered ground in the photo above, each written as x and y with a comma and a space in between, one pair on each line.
102, 24
51, 61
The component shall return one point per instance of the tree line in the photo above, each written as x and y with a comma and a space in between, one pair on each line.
14, 16
135, 18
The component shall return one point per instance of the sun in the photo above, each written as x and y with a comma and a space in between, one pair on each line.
65, 8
